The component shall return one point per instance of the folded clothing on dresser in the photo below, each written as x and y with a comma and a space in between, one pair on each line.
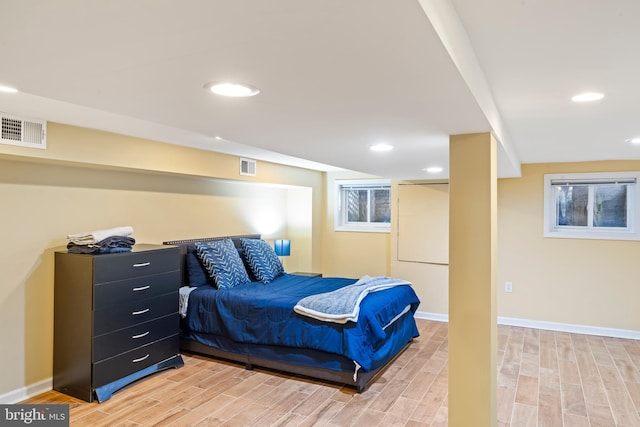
93, 237
102, 241
109, 245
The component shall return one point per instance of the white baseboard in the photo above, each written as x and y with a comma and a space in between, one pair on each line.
437, 317
568, 327
23, 393
551, 326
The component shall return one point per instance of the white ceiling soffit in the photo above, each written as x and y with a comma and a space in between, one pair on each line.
23, 104
455, 39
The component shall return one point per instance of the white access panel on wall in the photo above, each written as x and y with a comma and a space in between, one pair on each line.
423, 223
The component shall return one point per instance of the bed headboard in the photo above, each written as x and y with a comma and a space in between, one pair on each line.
182, 244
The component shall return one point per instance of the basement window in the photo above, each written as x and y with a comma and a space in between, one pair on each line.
591, 206
363, 206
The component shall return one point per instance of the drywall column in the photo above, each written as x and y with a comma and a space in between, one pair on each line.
472, 278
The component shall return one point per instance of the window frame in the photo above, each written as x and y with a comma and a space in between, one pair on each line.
340, 214
631, 232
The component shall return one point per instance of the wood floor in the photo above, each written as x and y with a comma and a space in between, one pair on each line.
544, 379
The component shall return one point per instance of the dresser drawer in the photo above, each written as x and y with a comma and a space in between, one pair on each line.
137, 289
135, 360
131, 313
109, 268
109, 345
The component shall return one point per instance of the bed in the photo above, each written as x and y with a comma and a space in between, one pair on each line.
261, 324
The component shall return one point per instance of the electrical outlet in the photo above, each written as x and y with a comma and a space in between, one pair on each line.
508, 287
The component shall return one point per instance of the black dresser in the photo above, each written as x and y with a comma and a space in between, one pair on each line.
115, 319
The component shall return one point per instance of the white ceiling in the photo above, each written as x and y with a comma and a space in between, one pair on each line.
335, 76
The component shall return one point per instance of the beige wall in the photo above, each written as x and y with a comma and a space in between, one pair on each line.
299, 222
573, 281
351, 254
576, 281
86, 189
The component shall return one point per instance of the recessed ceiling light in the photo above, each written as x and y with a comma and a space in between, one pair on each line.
433, 169
587, 97
232, 89
218, 138
7, 89
381, 147
633, 140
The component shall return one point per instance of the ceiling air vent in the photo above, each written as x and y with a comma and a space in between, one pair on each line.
247, 167
23, 132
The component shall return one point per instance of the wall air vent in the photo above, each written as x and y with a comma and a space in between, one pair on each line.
23, 132
247, 167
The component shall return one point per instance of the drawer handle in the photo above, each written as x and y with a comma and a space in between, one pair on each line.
141, 288
140, 359
135, 313
142, 264
140, 335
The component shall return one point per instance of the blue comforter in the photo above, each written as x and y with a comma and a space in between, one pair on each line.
263, 314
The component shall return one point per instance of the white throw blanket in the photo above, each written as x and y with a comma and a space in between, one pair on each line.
343, 305
93, 237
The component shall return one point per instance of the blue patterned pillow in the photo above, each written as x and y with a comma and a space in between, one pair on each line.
223, 263
262, 259
197, 273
